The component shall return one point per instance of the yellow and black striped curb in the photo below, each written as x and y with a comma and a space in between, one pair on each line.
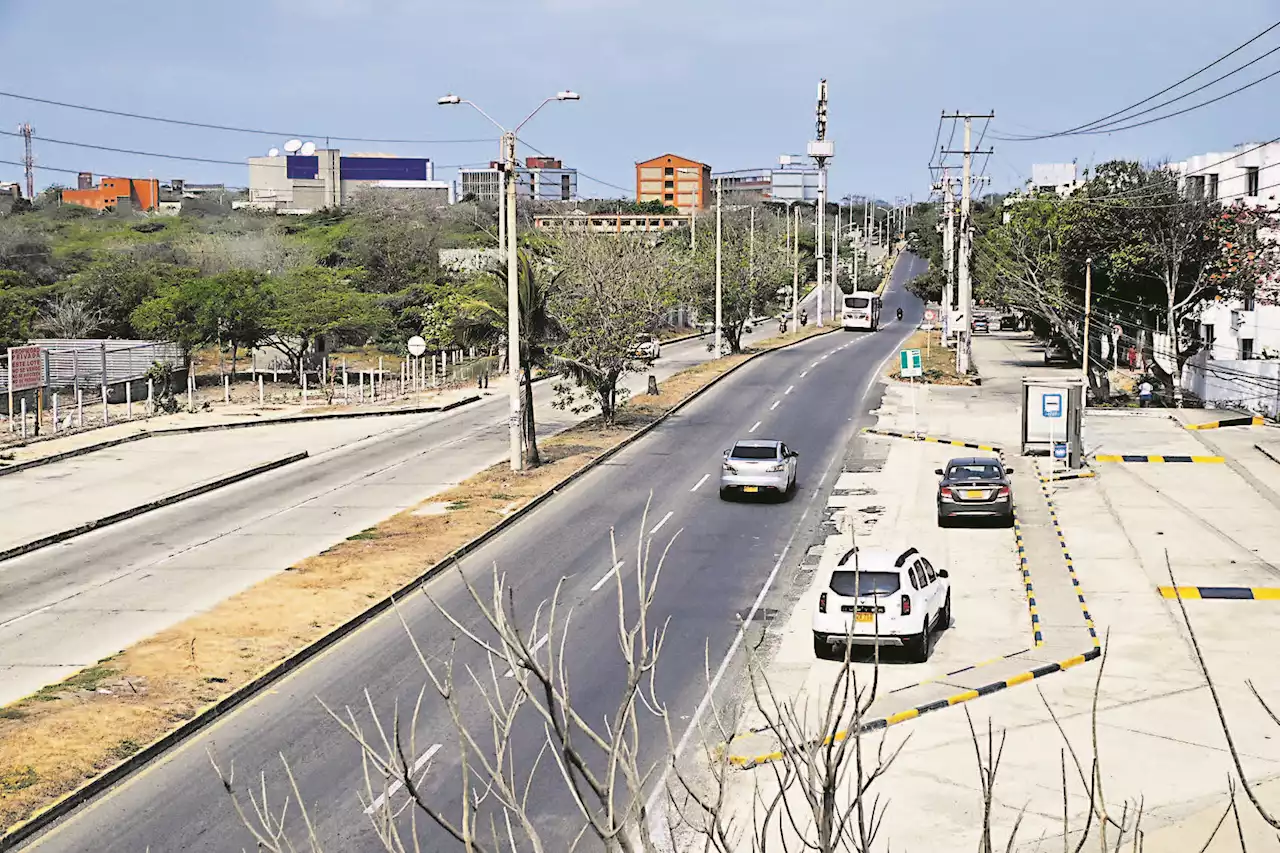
1243, 420
1238, 593
748, 761
1073, 475
1066, 556
1025, 568
931, 439
1139, 457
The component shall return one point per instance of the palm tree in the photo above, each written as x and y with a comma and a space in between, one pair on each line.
485, 317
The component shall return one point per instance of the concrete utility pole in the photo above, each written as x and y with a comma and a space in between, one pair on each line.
1088, 304
835, 270
948, 255
719, 318
795, 272
821, 150
965, 282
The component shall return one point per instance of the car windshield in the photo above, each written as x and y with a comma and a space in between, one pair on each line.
749, 452
974, 471
864, 583
857, 302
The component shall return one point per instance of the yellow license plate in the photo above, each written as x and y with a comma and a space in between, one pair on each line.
864, 617
750, 488
974, 495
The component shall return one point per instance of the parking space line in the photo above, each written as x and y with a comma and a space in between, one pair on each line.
396, 785
665, 519
756, 427
608, 574
700, 482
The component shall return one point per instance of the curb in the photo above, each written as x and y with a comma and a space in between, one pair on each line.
1238, 593
133, 512
1025, 567
1077, 475
1137, 457
748, 762
1066, 555
933, 439
103, 445
1229, 422
71, 454
203, 719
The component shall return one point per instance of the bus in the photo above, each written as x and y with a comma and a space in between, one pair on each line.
861, 311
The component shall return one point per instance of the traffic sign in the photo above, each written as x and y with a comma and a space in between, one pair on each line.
26, 368
1059, 451
1051, 405
910, 365
417, 346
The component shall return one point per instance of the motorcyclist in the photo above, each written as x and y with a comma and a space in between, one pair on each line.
804, 318
782, 324
899, 313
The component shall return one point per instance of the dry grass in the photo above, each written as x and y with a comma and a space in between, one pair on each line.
939, 364
54, 741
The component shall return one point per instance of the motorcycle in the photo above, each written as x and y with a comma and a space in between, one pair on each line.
899, 313
804, 318
782, 326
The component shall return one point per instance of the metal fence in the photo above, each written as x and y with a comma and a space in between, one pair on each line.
94, 363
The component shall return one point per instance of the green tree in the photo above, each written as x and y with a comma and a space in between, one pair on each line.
313, 301
18, 308
612, 289
235, 305
176, 314
117, 284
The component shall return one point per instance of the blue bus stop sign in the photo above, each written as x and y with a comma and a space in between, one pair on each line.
1059, 451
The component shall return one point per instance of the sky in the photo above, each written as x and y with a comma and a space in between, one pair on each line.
732, 83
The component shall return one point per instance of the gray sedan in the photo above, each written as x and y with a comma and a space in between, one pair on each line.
758, 466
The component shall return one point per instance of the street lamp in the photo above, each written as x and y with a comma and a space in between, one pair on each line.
508, 155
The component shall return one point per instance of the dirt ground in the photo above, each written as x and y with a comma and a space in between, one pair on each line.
55, 740
939, 364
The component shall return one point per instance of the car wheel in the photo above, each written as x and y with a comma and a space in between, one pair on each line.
918, 647
821, 648
945, 618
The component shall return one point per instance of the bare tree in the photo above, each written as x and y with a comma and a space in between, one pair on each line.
70, 317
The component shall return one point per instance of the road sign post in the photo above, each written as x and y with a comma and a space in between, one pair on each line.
909, 367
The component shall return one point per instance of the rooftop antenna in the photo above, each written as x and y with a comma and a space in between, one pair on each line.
292, 146
28, 160
308, 148
274, 152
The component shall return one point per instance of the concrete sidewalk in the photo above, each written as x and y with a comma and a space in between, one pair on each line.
1158, 733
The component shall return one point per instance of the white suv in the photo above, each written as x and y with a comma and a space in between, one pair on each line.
882, 598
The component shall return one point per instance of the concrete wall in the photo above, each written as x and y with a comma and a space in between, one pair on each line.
1252, 385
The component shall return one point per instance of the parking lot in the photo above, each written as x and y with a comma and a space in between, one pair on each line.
1158, 735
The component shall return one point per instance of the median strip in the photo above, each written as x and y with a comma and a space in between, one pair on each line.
159, 503
161, 691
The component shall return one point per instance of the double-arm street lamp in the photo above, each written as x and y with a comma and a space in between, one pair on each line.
508, 156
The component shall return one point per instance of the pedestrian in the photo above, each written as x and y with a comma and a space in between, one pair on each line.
1144, 393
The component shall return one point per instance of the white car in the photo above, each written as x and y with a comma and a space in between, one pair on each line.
884, 598
647, 348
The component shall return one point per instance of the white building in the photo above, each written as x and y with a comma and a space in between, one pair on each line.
794, 180
1239, 364
296, 183
539, 179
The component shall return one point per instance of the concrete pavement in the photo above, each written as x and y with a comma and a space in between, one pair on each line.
724, 555
1158, 735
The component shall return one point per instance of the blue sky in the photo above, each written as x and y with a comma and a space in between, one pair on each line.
729, 82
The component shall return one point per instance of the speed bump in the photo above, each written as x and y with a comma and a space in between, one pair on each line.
1244, 420
1137, 457
1239, 593
932, 439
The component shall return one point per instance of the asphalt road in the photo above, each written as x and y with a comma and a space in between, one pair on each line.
724, 554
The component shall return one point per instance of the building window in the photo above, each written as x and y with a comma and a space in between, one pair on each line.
669, 198
1213, 187
1195, 187
1246, 348
1209, 337
564, 188
668, 172
1251, 181
669, 185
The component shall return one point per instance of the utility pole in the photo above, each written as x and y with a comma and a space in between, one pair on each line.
835, 269
1088, 303
948, 255
821, 149
513, 303
28, 160
719, 318
795, 272
965, 282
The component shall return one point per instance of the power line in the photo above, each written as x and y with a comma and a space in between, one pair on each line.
1148, 99
579, 171
1185, 110
230, 128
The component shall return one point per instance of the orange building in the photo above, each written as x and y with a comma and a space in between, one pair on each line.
141, 193
674, 180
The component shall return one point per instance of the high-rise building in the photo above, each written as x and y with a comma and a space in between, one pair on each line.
675, 181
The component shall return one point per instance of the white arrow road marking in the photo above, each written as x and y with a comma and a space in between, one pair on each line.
397, 784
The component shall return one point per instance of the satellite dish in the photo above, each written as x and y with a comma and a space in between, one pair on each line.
308, 149
292, 145
274, 152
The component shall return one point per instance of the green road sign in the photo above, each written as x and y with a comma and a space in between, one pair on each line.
909, 359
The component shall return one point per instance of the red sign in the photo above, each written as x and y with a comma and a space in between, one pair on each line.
26, 368
930, 315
